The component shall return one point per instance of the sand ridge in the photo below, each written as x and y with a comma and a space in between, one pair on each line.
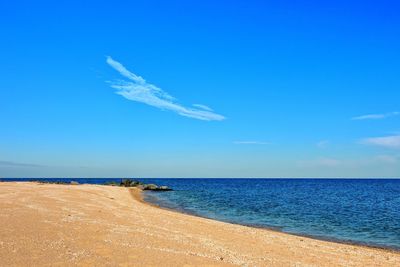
94, 225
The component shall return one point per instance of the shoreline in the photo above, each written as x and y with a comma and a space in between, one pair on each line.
95, 225
137, 194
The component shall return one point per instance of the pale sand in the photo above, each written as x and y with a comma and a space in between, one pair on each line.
92, 225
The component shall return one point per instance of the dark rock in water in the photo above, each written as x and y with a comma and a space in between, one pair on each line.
150, 187
129, 183
74, 183
140, 185
153, 187
161, 188
164, 188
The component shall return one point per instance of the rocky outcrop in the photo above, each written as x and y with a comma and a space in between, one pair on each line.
153, 187
142, 186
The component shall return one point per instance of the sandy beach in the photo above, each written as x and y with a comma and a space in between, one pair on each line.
93, 225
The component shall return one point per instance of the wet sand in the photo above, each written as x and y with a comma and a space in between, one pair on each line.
93, 225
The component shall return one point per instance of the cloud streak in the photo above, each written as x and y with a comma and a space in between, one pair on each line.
4, 163
204, 107
137, 89
392, 141
376, 116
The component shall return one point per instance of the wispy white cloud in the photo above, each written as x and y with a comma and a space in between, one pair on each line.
200, 106
17, 164
392, 141
137, 89
251, 143
376, 116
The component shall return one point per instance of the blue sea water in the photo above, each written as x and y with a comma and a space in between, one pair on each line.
365, 211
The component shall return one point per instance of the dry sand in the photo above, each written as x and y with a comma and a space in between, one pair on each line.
92, 225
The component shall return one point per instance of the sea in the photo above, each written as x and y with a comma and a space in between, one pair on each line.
360, 211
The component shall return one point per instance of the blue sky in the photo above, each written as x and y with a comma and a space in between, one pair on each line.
184, 89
